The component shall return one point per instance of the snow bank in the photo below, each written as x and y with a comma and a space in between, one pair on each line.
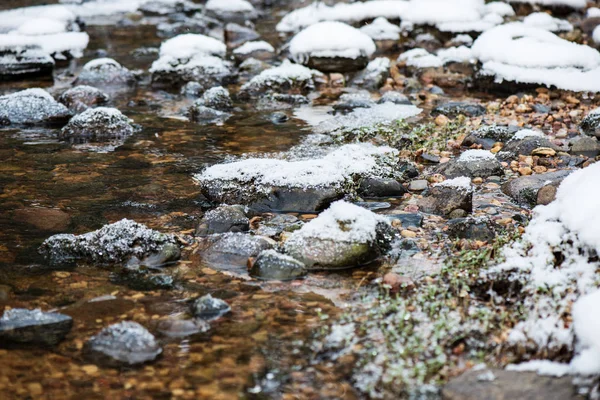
249, 47
570, 3
191, 45
331, 39
546, 21
229, 6
381, 29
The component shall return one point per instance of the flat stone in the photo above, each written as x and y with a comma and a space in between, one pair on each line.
46, 219
209, 308
380, 187
271, 265
418, 185
22, 326
524, 190
223, 219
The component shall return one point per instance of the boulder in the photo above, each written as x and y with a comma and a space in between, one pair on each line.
80, 98
24, 64
208, 308
271, 265
472, 163
101, 124
591, 124
105, 72
443, 198
223, 219
524, 190
22, 326
32, 107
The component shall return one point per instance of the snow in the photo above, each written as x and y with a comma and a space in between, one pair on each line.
249, 47
527, 133
421, 58
41, 26
587, 331
462, 182
526, 54
330, 39
593, 12
192, 45
286, 72
381, 29
547, 22
12, 19
542, 367
341, 222
570, 3
229, 5
455, 54
463, 39
596, 34
476, 155
499, 8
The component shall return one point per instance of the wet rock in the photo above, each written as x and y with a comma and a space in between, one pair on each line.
472, 163
80, 98
207, 115
525, 146
374, 75
100, 124
230, 251
112, 244
251, 67
584, 146
350, 101
591, 124
343, 236
105, 72
260, 50
445, 197
286, 78
498, 384
45, 219
236, 35
271, 265
487, 135
471, 228
217, 98
32, 107
278, 117
524, 190
25, 63
379, 187
192, 90
277, 224
198, 23
238, 11
407, 219
394, 97
160, 8
297, 199
208, 308
22, 326
223, 219
453, 109
280, 101
142, 279
179, 328
124, 343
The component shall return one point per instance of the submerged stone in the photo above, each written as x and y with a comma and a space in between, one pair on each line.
209, 308
80, 98
178, 328
223, 219
32, 107
105, 72
112, 244
230, 251
207, 115
98, 125
271, 265
23, 326
124, 343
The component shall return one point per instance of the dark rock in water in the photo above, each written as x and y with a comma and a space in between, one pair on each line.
207, 115
142, 279
443, 199
408, 219
297, 199
24, 64
235, 35
100, 124
223, 219
591, 124
208, 308
472, 165
45, 219
278, 117
351, 101
471, 228
32, 107
380, 187
22, 326
160, 8
524, 190
499, 384
80, 98
178, 328
217, 98
373, 205
124, 343
487, 135
394, 97
455, 108
374, 75
277, 224
105, 72
584, 146
515, 148
112, 244
230, 251
337, 64
271, 265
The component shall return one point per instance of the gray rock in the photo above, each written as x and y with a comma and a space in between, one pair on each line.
105, 72
198, 23
217, 98
230, 251
206, 115
142, 279
394, 97
472, 168
80, 98
277, 224
591, 124
24, 64
271, 265
458, 213
209, 71
112, 244
380, 187
22, 326
442, 200
208, 308
524, 190
487, 135
584, 146
418, 185
455, 108
280, 101
471, 228
350, 101
162, 8
278, 117
237, 16
236, 35
179, 328
524, 147
337, 64
32, 107
408, 219
223, 219
374, 75
124, 343
498, 384
101, 124
192, 90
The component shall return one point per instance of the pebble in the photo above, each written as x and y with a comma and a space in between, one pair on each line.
477, 181
441, 120
408, 234
417, 185
525, 171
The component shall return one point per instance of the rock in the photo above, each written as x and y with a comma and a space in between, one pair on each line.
445, 197
112, 244
198, 23
236, 35
471, 228
524, 190
487, 135
343, 236
418, 185
498, 384
45, 219
584, 146
101, 124
277, 224
32, 107
271, 265
472, 163
286, 78
162, 8
124, 343
350, 101
279, 101
230, 251
22, 326
179, 328
454, 108
278, 117
394, 97
379, 187
546, 195
251, 67
591, 124
407, 219
238, 11
458, 213
192, 90
25, 63
206, 115
398, 283
217, 98
374, 75
80, 98
105, 72
260, 50
223, 219
208, 308
142, 279
525, 147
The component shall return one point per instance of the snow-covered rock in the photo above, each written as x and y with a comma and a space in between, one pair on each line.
231, 10
32, 107
80, 98
568, 3
381, 29
281, 79
98, 125
546, 21
105, 72
18, 64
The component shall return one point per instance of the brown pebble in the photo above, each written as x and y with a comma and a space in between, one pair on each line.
546, 195
477, 181
397, 282
543, 151
539, 169
408, 234
35, 388
441, 120
525, 171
